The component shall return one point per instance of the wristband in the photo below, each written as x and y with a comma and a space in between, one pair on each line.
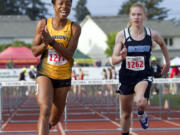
52, 43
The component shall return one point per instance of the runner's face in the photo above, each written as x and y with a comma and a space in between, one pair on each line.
62, 8
137, 16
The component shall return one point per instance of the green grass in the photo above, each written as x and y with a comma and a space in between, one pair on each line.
174, 100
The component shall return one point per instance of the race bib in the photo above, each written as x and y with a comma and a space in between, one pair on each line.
55, 59
135, 63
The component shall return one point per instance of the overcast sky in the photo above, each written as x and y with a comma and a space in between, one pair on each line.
111, 7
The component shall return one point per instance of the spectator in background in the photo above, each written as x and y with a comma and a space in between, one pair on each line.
104, 87
10, 64
156, 73
109, 62
32, 73
81, 74
98, 63
22, 76
80, 77
109, 76
155, 68
104, 74
74, 77
174, 71
173, 74
113, 72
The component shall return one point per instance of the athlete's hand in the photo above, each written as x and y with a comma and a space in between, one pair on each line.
46, 37
123, 53
165, 69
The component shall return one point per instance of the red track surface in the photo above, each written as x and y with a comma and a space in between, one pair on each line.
9, 126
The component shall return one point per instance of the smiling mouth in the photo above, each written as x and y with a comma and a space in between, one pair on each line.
64, 12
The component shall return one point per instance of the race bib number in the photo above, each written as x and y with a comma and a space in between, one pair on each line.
135, 63
55, 59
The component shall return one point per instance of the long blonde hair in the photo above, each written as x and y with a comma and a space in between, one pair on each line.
136, 5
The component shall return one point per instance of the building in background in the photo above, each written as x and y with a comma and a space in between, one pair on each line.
95, 29
93, 37
16, 27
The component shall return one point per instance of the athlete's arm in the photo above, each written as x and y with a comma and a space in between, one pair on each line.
68, 52
38, 47
72, 45
159, 40
119, 54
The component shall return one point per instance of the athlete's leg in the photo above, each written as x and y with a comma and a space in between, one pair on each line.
59, 102
126, 107
142, 101
140, 90
44, 97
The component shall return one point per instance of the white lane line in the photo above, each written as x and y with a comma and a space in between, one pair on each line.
113, 122
167, 121
61, 128
172, 123
105, 117
12, 115
9, 119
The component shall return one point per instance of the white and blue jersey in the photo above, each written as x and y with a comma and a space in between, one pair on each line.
136, 66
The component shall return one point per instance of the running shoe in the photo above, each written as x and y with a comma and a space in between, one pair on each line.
144, 120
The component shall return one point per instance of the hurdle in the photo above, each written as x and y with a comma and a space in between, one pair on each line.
91, 108
14, 95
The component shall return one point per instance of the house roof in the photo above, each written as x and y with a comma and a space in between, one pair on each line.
16, 26
116, 23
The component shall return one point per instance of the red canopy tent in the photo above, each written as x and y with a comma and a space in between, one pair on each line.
20, 56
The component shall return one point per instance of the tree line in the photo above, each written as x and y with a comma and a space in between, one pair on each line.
35, 9
38, 9
154, 10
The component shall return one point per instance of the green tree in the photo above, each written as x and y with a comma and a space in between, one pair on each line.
81, 10
35, 9
15, 43
154, 11
9, 7
110, 43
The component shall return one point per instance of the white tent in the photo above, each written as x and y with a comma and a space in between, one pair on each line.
175, 61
